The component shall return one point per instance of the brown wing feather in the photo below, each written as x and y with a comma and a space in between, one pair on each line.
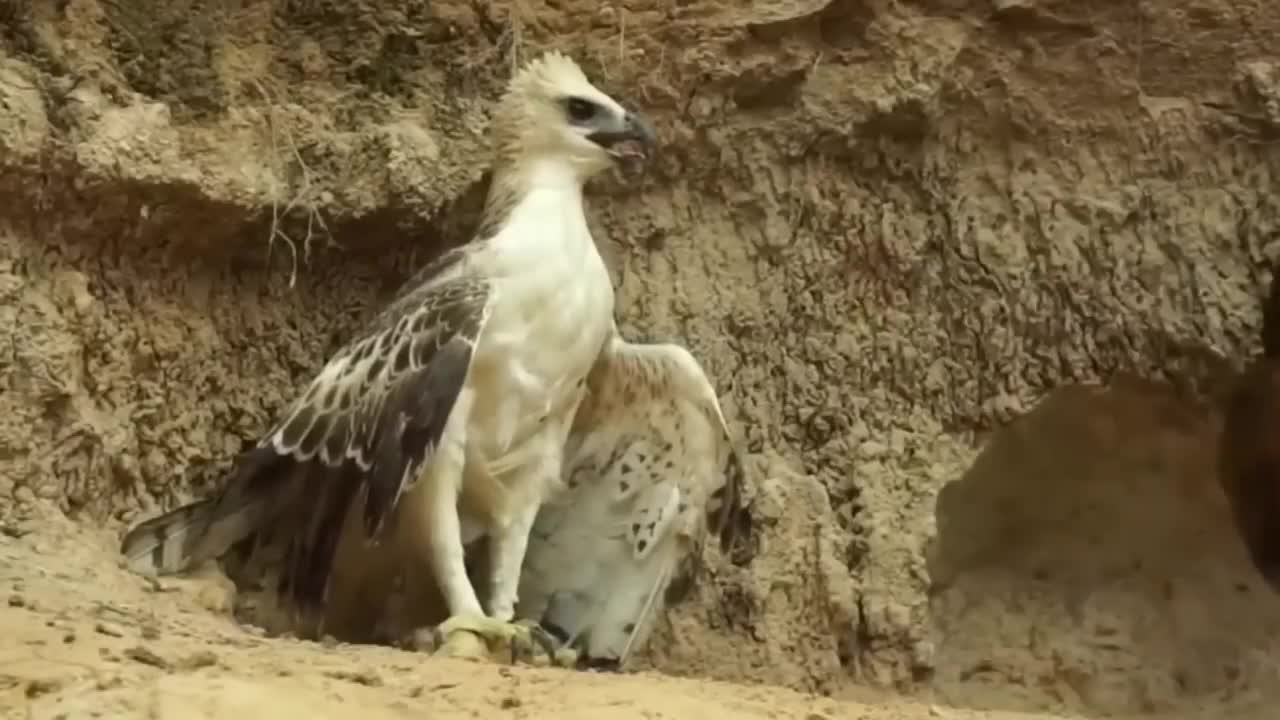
372, 418
364, 426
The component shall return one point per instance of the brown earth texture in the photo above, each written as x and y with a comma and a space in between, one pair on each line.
969, 276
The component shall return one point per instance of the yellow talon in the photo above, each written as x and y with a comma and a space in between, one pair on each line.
479, 637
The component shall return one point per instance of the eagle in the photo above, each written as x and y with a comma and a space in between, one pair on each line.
448, 415
650, 470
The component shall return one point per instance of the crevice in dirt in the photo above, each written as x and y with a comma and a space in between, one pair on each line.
1092, 551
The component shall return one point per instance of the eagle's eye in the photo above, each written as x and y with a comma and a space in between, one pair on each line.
581, 111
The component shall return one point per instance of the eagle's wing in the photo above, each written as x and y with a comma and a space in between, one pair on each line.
650, 468
363, 428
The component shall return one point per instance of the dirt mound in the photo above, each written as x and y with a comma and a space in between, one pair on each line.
887, 229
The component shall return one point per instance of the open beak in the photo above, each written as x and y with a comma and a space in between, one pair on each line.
632, 139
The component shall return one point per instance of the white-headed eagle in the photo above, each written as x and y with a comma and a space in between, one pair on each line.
462, 391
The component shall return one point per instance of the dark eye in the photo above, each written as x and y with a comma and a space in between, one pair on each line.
580, 110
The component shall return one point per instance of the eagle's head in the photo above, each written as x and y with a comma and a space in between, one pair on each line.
552, 112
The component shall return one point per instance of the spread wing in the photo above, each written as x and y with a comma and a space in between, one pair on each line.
650, 469
363, 427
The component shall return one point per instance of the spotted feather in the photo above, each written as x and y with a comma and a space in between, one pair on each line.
650, 471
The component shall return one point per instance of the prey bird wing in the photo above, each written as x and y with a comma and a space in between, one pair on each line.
650, 470
363, 427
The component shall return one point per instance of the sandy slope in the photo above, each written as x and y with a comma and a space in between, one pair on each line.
84, 638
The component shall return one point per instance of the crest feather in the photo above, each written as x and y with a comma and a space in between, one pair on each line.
527, 109
550, 70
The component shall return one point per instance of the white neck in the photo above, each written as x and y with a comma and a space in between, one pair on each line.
548, 217
552, 173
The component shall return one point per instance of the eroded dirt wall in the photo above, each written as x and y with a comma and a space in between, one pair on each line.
883, 226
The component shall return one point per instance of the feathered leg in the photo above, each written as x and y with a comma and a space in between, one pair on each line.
507, 546
443, 536
457, 635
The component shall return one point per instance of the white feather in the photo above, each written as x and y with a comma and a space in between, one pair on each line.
647, 451
551, 311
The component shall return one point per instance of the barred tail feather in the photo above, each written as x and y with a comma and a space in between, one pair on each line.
159, 546
183, 538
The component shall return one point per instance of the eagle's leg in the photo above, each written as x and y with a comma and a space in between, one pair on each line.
444, 536
468, 632
522, 639
508, 543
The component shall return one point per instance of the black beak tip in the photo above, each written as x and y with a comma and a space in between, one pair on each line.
642, 130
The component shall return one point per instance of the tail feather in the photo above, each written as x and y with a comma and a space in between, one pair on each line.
162, 545
183, 538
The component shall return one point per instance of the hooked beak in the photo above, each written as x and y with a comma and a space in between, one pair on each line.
632, 138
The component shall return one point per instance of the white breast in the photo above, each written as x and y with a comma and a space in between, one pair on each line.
554, 306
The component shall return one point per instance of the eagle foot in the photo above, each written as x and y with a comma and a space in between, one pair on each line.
479, 637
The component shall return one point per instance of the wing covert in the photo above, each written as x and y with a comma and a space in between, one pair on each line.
650, 468
651, 416
381, 401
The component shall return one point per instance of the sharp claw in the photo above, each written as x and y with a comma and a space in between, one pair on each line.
532, 638
543, 640
521, 648
559, 652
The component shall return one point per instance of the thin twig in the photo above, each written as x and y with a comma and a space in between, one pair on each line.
314, 216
